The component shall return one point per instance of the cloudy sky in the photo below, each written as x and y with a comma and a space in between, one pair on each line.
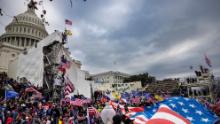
162, 37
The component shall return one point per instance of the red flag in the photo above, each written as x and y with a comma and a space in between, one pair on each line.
208, 61
68, 22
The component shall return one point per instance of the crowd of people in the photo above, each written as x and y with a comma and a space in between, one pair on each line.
28, 109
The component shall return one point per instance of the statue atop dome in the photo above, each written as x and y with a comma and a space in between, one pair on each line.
32, 5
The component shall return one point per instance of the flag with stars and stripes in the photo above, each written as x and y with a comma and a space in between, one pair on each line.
190, 109
165, 115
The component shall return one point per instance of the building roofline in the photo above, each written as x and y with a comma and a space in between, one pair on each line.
113, 72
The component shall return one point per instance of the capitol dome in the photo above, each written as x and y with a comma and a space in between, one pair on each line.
25, 30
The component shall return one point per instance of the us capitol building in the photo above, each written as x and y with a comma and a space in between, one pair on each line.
25, 31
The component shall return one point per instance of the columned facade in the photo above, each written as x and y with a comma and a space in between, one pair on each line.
25, 31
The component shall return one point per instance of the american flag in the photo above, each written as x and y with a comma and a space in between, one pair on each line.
165, 115
69, 87
140, 119
190, 109
93, 111
68, 22
77, 102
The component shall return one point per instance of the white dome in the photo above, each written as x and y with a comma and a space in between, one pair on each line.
25, 30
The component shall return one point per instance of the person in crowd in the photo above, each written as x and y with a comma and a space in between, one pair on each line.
117, 119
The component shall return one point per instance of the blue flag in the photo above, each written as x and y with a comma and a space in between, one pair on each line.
137, 93
191, 109
10, 94
125, 95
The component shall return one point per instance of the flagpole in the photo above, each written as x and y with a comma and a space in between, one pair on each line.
208, 62
5, 99
88, 118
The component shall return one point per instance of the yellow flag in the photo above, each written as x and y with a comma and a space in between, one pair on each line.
116, 95
68, 32
159, 98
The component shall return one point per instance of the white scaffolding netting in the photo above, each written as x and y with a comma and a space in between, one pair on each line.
31, 65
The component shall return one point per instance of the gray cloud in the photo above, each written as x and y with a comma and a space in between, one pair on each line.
160, 37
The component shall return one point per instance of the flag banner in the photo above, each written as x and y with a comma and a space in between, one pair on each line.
68, 22
77, 102
69, 87
208, 61
93, 112
10, 94
65, 63
68, 32
190, 109
165, 115
140, 119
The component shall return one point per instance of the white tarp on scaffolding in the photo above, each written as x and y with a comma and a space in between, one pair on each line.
31, 65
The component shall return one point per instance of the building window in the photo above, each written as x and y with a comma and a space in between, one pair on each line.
13, 55
9, 29
28, 30
24, 29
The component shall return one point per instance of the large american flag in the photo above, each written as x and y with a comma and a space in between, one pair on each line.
190, 109
165, 115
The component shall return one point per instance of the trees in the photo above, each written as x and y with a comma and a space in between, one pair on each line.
145, 78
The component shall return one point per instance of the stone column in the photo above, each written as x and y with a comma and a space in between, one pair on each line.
16, 41
188, 91
25, 42
10, 40
193, 95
